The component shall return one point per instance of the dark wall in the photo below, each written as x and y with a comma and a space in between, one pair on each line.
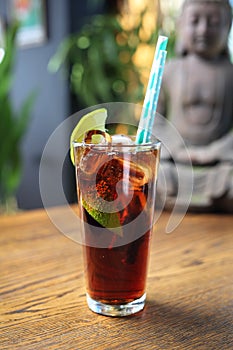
53, 102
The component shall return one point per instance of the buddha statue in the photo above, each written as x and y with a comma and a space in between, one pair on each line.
197, 98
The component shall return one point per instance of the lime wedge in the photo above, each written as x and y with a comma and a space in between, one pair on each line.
109, 220
95, 120
91, 121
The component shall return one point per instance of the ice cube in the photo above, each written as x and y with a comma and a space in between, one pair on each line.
122, 139
119, 140
97, 136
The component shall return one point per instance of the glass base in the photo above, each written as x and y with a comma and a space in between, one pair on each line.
116, 310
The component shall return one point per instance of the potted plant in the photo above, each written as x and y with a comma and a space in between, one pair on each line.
99, 59
13, 124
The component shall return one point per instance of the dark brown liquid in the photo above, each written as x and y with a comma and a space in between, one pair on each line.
117, 274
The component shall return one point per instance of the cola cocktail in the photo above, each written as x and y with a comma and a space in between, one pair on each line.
116, 186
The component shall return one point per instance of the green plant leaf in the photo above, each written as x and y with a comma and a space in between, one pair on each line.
13, 124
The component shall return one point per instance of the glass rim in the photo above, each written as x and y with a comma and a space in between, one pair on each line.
155, 143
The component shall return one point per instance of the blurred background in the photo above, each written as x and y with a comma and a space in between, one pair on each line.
61, 57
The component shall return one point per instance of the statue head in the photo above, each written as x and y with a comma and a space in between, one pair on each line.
204, 27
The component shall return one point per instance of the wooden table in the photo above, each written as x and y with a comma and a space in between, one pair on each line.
190, 289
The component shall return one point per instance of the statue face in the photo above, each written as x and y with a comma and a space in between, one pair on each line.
204, 29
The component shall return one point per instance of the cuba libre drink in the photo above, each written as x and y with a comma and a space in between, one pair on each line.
116, 187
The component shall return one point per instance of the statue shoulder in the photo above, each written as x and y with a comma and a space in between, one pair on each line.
172, 67
173, 63
228, 65
227, 69
231, 67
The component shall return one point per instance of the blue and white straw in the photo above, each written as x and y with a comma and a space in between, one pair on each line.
152, 92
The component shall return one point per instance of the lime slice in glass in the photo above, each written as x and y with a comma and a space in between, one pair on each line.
111, 221
91, 121
95, 120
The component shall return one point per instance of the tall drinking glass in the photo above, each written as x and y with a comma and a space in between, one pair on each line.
116, 187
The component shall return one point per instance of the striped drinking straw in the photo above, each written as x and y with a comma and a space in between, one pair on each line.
152, 92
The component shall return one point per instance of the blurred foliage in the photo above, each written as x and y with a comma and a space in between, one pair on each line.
13, 124
99, 61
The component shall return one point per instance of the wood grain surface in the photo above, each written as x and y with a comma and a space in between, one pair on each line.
189, 289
